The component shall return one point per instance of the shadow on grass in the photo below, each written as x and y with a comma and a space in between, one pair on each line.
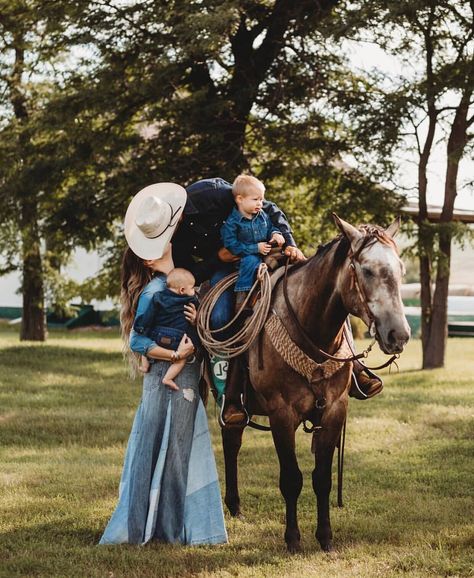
54, 396
49, 549
55, 359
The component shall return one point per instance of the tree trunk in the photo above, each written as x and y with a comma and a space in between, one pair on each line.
33, 326
434, 346
425, 233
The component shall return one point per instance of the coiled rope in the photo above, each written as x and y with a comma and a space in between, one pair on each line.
245, 335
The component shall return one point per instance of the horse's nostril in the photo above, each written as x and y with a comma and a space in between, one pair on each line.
391, 336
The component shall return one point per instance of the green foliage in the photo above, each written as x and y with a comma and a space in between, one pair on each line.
119, 95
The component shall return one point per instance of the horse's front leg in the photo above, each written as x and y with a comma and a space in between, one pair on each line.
291, 479
231, 442
326, 441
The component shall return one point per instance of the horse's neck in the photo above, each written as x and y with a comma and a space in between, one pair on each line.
317, 300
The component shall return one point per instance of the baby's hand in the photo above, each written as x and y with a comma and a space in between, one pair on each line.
278, 238
264, 248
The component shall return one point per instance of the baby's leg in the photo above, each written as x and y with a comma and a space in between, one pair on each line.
144, 366
173, 370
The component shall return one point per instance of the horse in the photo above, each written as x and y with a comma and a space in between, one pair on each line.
358, 273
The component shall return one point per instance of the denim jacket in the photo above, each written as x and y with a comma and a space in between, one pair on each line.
166, 310
140, 343
241, 235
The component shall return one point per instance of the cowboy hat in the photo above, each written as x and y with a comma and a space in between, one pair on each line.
151, 218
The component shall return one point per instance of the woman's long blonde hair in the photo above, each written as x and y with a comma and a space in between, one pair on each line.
134, 276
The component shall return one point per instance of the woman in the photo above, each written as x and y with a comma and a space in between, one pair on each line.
169, 489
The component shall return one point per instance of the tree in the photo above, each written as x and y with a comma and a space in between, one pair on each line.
36, 167
435, 100
23, 26
172, 91
213, 88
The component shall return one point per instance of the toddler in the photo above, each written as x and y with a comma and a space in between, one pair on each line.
248, 232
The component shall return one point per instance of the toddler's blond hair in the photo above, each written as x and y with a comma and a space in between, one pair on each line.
246, 184
178, 278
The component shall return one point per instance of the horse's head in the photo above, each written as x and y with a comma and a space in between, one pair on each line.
372, 283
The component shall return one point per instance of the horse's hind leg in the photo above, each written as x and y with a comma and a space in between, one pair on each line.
231, 442
291, 479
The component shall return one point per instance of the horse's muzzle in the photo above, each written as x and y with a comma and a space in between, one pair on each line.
394, 340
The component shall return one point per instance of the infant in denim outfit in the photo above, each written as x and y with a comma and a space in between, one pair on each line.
248, 231
165, 323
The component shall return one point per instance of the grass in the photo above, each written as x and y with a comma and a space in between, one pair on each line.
66, 409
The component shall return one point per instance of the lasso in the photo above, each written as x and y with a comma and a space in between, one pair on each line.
247, 333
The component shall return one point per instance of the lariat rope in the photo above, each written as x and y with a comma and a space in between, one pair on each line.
241, 340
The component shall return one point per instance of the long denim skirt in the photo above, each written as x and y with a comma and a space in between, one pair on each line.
169, 490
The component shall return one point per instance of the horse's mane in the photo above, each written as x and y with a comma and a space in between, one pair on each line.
343, 245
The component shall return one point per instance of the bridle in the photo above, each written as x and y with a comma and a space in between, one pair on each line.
373, 236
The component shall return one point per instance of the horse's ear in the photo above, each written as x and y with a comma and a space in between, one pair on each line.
392, 229
347, 230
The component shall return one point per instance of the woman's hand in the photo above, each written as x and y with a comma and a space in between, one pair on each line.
185, 347
190, 312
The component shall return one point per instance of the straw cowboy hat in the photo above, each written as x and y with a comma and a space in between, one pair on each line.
152, 217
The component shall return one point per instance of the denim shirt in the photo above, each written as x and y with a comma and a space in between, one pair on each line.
241, 235
141, 343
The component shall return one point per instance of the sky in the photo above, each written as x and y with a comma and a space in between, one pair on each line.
368, 56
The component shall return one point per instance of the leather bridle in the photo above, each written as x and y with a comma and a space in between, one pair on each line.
368, 240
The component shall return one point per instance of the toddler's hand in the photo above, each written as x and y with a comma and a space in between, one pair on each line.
278, 238
264, 248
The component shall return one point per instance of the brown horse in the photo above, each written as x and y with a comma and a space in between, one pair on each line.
358, 273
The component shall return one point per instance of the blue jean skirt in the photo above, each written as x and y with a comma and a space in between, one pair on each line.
169, 490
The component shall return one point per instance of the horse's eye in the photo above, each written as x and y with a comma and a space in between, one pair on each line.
367, 272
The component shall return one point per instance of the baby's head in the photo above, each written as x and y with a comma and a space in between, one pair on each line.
181, 281
248, 193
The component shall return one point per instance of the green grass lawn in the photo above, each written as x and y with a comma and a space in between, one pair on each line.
66, 409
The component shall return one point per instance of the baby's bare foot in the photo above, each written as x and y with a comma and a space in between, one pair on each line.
170, 384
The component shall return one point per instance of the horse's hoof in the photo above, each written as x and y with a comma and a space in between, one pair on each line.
294, 547
327, 547
235, 512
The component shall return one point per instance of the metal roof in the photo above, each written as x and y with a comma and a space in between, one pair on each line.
434, 212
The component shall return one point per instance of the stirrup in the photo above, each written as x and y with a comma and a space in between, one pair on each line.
240, 424
358, 393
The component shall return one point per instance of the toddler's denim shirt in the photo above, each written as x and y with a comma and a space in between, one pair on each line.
241, 235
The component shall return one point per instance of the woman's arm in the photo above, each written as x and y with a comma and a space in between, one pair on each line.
139, 342
185, 349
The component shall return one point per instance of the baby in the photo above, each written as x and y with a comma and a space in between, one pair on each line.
248, 232
165, 323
